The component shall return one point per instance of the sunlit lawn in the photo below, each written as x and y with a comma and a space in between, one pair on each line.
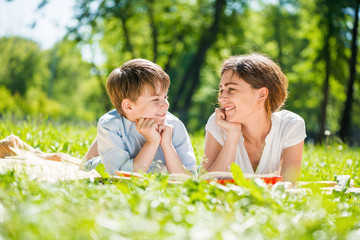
153, 208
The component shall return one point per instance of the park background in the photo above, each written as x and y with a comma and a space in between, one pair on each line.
314, 41
55, 58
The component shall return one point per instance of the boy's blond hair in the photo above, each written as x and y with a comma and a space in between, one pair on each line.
129, 81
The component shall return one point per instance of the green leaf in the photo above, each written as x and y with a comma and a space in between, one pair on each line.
238, 174
123, 187
240, 180
101, 170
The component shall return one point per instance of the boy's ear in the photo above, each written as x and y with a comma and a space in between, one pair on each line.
263, 94
126, 105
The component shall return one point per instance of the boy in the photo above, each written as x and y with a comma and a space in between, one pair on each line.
140, 129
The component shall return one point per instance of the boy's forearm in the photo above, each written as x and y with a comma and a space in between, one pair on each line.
172, 160
144, 158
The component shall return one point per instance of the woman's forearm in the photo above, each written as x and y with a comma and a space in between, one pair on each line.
226, 155
291, 163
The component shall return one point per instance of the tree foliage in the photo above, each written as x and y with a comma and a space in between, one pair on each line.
313, 42
19, 64
53, 82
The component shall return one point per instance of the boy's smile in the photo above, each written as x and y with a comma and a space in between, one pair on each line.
151, 105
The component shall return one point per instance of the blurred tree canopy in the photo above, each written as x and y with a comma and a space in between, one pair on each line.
314, 41
56, 83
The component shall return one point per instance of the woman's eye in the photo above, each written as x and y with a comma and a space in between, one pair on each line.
156, 99
231, 89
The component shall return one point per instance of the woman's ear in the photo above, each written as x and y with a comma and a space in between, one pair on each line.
126, 105
263, 94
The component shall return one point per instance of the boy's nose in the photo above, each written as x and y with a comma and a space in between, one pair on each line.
164, 104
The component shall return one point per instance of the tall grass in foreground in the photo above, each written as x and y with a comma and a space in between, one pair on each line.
155, 209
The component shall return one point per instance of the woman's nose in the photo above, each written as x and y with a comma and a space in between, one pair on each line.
222, 98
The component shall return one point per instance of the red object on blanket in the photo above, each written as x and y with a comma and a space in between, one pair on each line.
222, 178
272, 180
268, 180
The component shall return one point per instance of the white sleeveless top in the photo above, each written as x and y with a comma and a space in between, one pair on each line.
287, 129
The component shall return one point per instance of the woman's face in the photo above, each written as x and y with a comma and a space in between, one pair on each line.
238, 98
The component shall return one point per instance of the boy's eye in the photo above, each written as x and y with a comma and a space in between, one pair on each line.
155, 99
231, 89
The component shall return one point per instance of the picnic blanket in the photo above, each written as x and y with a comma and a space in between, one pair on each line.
53, 171
44, 170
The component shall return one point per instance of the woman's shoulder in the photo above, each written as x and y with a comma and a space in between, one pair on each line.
211, 122
212, 118
285, 116
217, 132
290, 124
286, 121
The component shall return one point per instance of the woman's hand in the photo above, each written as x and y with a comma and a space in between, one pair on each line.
220, 120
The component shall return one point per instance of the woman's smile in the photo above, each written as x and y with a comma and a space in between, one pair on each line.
228, 108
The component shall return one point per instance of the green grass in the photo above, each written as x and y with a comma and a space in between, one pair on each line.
154, 209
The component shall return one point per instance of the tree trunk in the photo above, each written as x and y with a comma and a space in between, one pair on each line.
128, 44
278, 32
179, 39
154, 31
323, 111
191, 77
104, 96
345, 126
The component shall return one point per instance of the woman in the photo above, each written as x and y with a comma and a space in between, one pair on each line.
248, 129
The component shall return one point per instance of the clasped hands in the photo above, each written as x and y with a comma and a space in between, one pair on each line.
153, 132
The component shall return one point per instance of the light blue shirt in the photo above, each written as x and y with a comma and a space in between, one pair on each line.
119, 142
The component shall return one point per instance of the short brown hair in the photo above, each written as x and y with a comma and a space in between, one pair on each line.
129, 80
260, 71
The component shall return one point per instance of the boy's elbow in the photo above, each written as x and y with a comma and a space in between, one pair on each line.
115, 161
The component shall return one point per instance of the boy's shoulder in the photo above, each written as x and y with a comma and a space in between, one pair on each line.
172, 119
109, 117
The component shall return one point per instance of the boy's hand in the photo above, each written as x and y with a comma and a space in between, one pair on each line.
166, 134
172, 160
149, 129
220, 120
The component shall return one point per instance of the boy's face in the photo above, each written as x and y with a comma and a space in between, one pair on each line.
151, 105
